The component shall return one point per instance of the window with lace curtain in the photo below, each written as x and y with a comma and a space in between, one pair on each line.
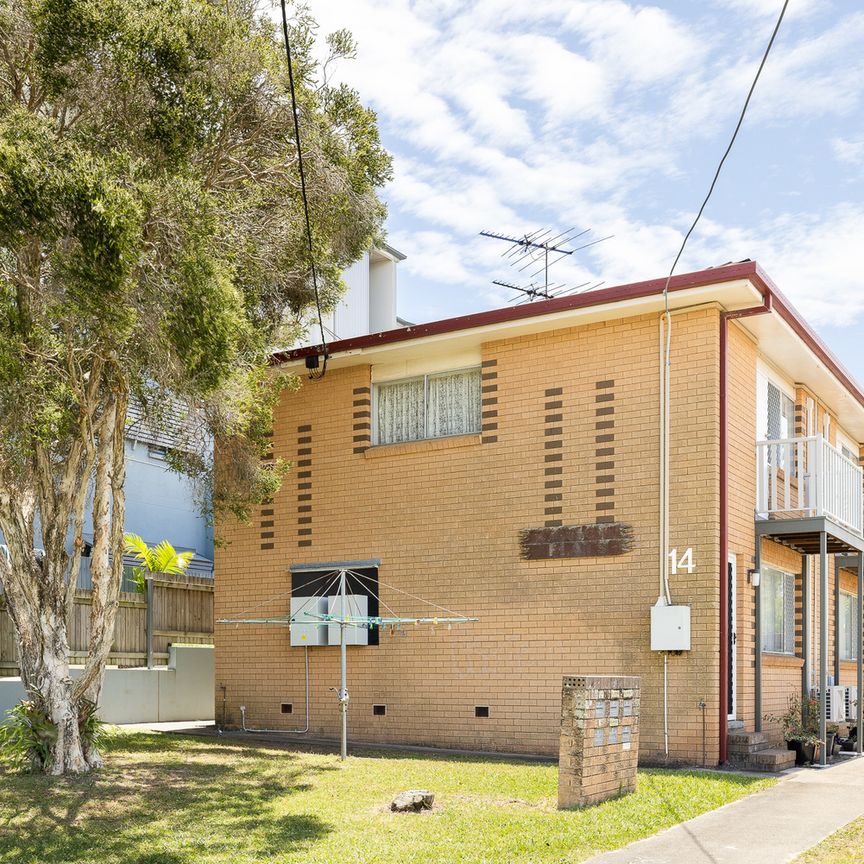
428, 406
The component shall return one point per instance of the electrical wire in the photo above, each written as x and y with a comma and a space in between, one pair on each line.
302, 173
728, 150
666, 343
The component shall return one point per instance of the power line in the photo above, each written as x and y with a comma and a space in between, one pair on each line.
303, 191
728, 150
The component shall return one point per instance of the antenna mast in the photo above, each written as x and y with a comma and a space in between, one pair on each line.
532, 252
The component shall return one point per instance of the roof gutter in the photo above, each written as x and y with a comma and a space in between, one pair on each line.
618, 293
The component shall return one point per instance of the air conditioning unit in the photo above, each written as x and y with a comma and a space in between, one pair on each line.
851, 703
835, 704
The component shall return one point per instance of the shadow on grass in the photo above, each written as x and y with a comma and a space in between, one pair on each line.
178, 807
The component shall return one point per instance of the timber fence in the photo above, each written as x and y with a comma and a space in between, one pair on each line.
182, 614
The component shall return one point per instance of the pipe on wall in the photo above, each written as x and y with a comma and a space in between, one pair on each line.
302, 731
725, 317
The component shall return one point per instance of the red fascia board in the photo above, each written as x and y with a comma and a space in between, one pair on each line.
803, 330
617, 293
528, 310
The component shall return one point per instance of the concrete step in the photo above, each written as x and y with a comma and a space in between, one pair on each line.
735, 725
746, 742
771, 760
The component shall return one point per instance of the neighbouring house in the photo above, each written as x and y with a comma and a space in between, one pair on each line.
506, 465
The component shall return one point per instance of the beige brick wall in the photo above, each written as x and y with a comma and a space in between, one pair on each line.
444, 518
781, 675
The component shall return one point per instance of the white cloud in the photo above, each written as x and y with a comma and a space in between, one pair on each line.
511, 115
850, 152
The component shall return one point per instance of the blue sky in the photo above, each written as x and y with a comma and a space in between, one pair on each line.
511, 115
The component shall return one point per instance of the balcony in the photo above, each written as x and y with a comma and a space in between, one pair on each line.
806, 485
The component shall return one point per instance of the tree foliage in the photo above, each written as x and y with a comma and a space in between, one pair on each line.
152, 249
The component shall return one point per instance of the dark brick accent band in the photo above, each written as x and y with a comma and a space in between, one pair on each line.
488, 439
487, 363
576, 541
603, 489
362, 416
555, 391
304, 483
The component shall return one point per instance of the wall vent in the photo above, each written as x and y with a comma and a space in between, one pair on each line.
379, 710
287, 708
481, 710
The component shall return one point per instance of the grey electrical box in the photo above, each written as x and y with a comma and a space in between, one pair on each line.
356, 606
670, 628
306, 627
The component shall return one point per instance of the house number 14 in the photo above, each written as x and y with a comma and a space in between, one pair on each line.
684, 563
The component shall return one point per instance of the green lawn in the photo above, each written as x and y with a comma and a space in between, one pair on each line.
177, 800
844, 847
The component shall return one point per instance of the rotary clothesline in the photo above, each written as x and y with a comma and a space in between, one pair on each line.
326, 619
344, 618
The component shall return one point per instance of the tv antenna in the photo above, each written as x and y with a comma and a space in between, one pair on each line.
532, 252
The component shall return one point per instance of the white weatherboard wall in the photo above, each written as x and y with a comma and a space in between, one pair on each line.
183, 690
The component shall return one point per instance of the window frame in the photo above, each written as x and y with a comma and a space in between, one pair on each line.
785, 578
853, 623
424, 377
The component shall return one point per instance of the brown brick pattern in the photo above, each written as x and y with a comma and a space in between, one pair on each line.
599, 743
362, 419
576, 541
304, 485
266, 513
604, 450
489, 401
553, 456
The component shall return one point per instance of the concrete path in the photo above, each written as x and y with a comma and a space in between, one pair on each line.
769, 827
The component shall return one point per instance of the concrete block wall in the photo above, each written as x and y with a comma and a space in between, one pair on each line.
182, 690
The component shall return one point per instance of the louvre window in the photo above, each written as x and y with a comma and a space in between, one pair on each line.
778, 611
781, 413
848, 626
429, 406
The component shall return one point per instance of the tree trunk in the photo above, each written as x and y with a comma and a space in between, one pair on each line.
40, 584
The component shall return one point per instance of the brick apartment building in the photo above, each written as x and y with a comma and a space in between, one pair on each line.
506, 465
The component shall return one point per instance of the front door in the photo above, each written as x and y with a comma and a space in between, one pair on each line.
733, 637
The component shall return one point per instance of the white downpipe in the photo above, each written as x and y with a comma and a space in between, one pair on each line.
665, 598
666, 705
302, 731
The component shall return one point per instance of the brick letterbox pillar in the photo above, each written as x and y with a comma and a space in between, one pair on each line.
599, 738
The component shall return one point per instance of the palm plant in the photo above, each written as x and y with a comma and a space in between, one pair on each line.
161, 558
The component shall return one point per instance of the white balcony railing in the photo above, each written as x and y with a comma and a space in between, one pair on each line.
804, 477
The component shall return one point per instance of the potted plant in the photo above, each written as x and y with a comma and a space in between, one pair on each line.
800, 729
832, 732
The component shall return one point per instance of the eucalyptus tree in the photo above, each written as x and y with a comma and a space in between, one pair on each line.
152, 249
